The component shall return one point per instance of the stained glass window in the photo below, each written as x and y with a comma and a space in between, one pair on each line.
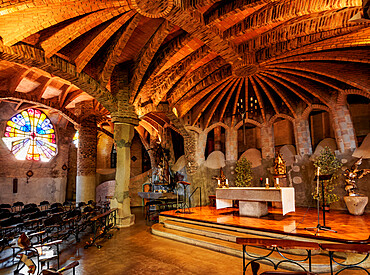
75, 139
29, 135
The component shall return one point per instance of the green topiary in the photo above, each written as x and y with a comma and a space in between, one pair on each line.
243, 173
329, 165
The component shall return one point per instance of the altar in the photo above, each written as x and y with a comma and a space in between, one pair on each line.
253, 200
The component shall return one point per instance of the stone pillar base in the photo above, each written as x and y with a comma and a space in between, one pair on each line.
253, 208
125, 221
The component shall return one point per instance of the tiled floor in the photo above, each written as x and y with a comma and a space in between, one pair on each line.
135, 250
347, 227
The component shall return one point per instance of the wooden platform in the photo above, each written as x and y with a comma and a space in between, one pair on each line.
349, 228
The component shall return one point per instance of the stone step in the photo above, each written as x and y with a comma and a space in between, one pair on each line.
223, 241
225, 232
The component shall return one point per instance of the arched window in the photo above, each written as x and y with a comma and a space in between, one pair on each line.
76, 138
29, 135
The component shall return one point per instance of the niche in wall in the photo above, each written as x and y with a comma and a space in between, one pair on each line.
215, 141
359, 108
283, 133
253, 138
320, 126
178, 144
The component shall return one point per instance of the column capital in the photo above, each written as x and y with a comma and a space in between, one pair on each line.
125, 114
126, 120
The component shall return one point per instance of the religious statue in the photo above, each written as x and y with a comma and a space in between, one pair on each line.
353, 174
279, 165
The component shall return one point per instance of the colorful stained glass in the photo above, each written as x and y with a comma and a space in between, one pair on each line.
29, 135
75, 139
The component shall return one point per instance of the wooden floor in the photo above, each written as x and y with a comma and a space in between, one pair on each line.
348, 227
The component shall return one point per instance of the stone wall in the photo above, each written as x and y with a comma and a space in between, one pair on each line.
49, 181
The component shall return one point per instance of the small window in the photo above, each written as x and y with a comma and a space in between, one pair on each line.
113, 157
75, 139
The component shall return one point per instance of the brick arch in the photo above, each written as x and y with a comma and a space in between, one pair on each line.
194, 129
42, 102
342, 97
210, 128
275, 117
309, 109
30, 56
240, 124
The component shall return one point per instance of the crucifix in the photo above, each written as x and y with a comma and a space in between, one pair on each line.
242, 110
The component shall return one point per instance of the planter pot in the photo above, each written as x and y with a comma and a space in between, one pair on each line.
356, 204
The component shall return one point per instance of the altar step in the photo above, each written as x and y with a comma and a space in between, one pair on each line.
223, 239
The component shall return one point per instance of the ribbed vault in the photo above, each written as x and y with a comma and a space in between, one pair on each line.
201, 57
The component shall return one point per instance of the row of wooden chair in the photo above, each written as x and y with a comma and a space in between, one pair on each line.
278, 245
46, 228
18, 206
56, 222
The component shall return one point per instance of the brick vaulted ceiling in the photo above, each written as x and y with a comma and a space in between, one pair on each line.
198, 56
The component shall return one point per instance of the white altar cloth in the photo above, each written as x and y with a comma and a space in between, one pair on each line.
285, 195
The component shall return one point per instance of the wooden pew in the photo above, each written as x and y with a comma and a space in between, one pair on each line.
60, 271
277, 245
101, 225
347, 248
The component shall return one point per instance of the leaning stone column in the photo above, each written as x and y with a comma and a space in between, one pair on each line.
267, 141
123, 134
302, 136
343, 126
86, 160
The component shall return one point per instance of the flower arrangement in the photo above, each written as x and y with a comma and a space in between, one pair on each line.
243, 173
329, 164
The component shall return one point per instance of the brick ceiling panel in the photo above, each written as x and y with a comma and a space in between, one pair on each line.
199, 56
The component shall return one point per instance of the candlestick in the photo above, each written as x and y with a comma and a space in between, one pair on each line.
318, 182
267, 183
277, 183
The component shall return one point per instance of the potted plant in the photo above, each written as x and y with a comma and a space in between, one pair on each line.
243, 173
329, 167
354, 201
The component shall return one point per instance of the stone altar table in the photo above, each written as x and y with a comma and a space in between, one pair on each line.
253, 200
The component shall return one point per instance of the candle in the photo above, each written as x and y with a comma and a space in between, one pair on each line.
218, 183
277, 183
267, 183
317, 184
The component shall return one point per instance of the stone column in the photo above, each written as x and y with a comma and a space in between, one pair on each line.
343, 127
86, 160
201, 141
267, 141
231, 145
302, 136
123, 134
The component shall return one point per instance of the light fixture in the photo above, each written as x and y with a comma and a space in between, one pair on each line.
29, 174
